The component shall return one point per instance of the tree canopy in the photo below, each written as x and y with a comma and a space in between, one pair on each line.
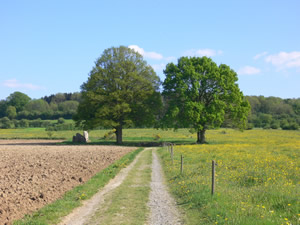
18, 100
200, 95
121, 91
38, 106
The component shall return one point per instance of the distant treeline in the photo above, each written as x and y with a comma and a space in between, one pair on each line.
274, 113
19, 110
19, 106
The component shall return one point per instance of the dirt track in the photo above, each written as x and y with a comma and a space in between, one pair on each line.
163, 209
35, 173
83, 214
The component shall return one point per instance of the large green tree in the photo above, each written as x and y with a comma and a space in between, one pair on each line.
18, 100
121, 91
200, 95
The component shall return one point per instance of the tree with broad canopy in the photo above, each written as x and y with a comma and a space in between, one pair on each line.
199, 95
121, 91
18, 100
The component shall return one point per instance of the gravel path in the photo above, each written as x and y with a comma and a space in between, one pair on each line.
162, 205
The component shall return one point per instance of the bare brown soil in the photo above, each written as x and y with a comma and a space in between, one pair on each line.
35, 173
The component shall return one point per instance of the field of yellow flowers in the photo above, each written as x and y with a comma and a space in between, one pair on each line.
257, 177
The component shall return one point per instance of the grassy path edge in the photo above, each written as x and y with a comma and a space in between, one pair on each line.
53, 212
127, 203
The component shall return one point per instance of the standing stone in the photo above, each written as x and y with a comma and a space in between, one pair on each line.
79, 138
86, 136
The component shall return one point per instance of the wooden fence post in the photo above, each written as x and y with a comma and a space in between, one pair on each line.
213, 177
172, 154
181, 167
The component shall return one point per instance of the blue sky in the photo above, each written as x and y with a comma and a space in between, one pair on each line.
47, 47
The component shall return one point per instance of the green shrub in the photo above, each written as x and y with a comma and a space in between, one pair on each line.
46, 123
6, 123
156, 137
50, 134
250, 126
275, 125
24, 123
290, 126
61, 120
60, 127
36, 123
110, 135
267, 126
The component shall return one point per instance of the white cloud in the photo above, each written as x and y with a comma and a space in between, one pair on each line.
137, 49
203, 52
150, 55
284, 60
258, 56
13, 83
248, 70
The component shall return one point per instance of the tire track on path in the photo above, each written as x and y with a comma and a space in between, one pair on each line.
162, 207
82, 214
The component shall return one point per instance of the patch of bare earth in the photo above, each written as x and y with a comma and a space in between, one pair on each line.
35, 173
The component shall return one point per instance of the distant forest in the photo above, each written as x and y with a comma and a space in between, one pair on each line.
274, 113
19, 110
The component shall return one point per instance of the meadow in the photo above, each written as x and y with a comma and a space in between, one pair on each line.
257, 173
97, 136
257, 178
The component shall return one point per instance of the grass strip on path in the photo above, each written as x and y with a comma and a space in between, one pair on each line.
127, 204
51, 214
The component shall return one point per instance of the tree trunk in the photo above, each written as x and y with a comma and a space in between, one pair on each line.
201, 137
119, 135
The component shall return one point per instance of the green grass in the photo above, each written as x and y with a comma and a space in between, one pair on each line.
128, 203
130, 136
134, 137
257, 178
257, 173
52, 213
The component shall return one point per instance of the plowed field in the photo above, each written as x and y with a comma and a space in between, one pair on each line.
35, 173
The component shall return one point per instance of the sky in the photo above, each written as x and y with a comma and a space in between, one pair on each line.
49, 47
